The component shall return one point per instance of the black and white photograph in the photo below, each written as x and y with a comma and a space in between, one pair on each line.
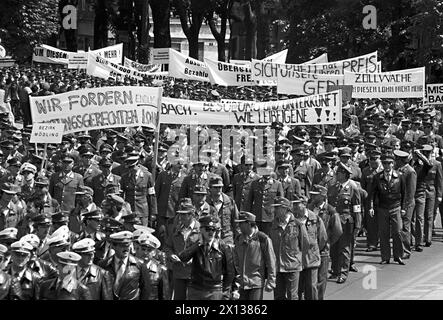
235, 152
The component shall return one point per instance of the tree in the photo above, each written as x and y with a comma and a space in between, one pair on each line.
192, 13
26, 23
219, 9
161, 10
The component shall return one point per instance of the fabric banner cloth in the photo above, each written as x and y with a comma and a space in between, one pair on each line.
279, 57
434, 93
140, 66
99, 108
103, 68
320, 59
48, 54
408, 83
183, 67
311, 110
229, 74
112, 53
302, 84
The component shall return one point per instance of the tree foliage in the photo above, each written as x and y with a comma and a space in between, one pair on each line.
26, 23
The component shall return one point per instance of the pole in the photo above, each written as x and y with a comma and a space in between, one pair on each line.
45, 153
157, 137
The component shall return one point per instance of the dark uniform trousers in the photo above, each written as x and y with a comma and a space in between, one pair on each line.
205, 294
341, 250
287, 285
347, 201
391, 199
322, 278
429, 187
410, 177
308, 284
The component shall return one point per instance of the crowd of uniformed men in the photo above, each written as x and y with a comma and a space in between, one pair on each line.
93, 222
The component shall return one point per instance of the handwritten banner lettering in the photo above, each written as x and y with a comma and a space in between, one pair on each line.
228, 74
183, 67
311, 110
99, 108
409, 83
434, 93
302, 84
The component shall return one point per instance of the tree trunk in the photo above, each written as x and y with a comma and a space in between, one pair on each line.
143, 49
100, 25
251, 32
160, 16
262, 30
219, 36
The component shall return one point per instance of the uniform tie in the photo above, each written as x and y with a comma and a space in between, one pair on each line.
119, 275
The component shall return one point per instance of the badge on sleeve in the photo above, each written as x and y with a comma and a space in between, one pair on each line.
151, 191
356, 208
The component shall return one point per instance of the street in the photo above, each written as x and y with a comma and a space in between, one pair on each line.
420, 279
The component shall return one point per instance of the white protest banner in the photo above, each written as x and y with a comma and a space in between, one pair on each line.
183, 67
103, 68
434, 93
409, 83
302, 84
311, 110
112, 53
48, 54
140, 66
279, 57
345, 89
159, 55
47, 133
228, 74
98, 108
320, 59
77, 60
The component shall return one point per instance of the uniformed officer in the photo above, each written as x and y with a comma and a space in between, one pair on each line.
345, 197
331, 220
167, 188
325, 175
158, 273
5, 279
131, 277
261, 196
367, 180
100, 181
241, 183
42, 267
288, 237
11, 208
83, 204
213, 268
182, 234
202, 207
316, 239
66, 286
291, 186
28, 171
24, 282
97, 280
63, 185
225, 208
58, 242
254, 259
138, 188
410, 177
42, 227
428, 190
388, 198
198, 176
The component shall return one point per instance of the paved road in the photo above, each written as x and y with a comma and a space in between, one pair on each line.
420, 279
